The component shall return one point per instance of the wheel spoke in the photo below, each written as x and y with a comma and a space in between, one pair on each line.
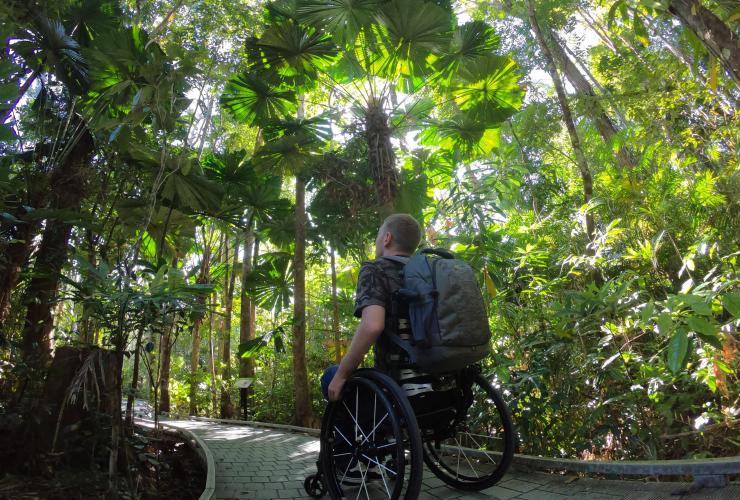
357, 425
373, 431
380, 465
466, 458
363, 484
343, 436
480, 448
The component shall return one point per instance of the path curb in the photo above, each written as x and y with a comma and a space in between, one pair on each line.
714, 470
209, 492
305, 430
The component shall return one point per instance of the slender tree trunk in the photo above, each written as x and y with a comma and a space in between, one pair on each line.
68, 189
205, 269
597, 29
21, 92
212, 360
595, 111
227, 410
303, 415
12, 262
335, 309
719, 40
164, 366
134, 380
246, 319
567, 117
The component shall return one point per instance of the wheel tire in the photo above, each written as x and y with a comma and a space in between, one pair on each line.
376, 442
409, 425
314, 486
445, 462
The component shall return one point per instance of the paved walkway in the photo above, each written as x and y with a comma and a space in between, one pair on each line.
259, 463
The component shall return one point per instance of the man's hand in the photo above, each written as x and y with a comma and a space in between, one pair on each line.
335, 387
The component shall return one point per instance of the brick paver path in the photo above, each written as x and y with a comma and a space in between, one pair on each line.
258, 463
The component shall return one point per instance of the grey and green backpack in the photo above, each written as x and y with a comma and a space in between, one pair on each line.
447, 315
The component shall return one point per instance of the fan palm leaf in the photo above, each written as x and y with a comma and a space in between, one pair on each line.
251, 99
488, 90
344, 19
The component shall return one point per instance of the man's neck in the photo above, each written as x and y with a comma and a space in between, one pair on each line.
395, 253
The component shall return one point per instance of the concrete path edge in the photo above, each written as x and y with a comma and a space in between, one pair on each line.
209, 492
697, 468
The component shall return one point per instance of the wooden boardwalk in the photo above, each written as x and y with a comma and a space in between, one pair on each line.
261, 463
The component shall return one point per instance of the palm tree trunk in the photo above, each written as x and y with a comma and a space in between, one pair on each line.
168, 339
335, 309
68, 185
303, 414
381, 157
567, 118
134, 380
205, 269
246, 319
713, 33
212, 359
227, 410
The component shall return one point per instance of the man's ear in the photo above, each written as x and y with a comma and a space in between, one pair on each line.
387, 239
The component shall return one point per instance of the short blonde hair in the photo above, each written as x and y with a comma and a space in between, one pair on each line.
405, 230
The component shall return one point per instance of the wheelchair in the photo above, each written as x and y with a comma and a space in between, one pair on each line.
376, 439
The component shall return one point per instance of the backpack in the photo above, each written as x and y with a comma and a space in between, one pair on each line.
447, 315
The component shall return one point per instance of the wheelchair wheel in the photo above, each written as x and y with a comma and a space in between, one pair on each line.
476, 453
365, 450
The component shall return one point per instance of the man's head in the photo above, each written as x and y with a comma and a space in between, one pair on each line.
399, 234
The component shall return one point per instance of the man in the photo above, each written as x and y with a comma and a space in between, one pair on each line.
399, 235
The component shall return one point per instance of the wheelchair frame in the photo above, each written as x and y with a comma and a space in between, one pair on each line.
442, 441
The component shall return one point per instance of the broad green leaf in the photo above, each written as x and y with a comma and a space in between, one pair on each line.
295, 52
702, 326
251, 99
647, 312
412, 31
665, 324
469, 41
677, 348
731, 301
488, 90
344, 19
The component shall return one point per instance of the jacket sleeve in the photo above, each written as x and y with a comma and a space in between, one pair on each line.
371, 288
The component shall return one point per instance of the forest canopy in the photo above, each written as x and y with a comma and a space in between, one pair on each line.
188, 189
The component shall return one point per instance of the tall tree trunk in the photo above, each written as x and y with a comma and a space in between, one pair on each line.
227, 410
203, 275
303, 415
134, 380
11, 263
212, 359
567, 117
168, 341
335, 309
246, 319
381, 157
68, 185
719, 40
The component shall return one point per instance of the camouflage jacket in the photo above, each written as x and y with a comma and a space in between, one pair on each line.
378, 280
